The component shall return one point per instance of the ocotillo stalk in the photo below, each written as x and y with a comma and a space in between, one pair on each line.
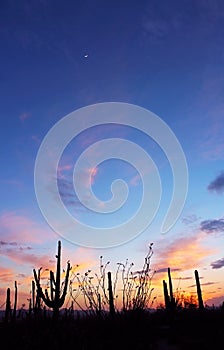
57, 296
15, 301
8, 306
200, 300
166, 295
111, 297
172, 301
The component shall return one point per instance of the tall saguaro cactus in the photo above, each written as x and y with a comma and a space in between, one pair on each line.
200, 300
111, 297
166, 295
57, 293
172, 300
15, 301
8, 306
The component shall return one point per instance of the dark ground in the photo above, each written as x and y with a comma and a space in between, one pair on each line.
185, 330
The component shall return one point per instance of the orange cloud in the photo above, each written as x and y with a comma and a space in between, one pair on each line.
183, 255
6, 275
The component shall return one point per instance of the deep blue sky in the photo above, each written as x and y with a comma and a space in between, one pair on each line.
165, 56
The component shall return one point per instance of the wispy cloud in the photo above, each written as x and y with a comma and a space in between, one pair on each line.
218, 264
85, 177
189, 219
12, 182
36, 139
164, 269
212, 226
3, 243
217, 300
217, 185
24, 116
15, 227
174, 255
68, 195
62, 169
183, 278
203, 284
6, 274
156, 27
22, 255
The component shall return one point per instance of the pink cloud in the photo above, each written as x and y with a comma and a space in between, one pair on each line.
24, 116
61, 169
20, 255
92, 172
216, 300
36, 139
135, 180
182, 254
22, 229
6, 274
16, 183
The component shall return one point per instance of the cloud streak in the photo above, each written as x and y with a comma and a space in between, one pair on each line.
24, 116
203, 284
217, 185
212, 226
184, 253
21, 229
218, 264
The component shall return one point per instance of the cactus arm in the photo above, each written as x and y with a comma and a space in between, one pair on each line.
48, 301
62, 299
52, 283
39, 289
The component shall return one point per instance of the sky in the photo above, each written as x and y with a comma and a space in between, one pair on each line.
166, 57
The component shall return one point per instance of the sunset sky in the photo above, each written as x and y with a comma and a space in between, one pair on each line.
163, 56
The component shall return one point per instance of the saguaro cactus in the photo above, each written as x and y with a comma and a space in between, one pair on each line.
57, 294
111, 297
172, 300
200, 300
15, 301
8, 306
166, 295
33, 301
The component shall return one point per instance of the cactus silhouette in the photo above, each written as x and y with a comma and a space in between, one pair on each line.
33, 295
57, 293
8, 306
166, 295
15, 301
200, 300
172, 299
111, 297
